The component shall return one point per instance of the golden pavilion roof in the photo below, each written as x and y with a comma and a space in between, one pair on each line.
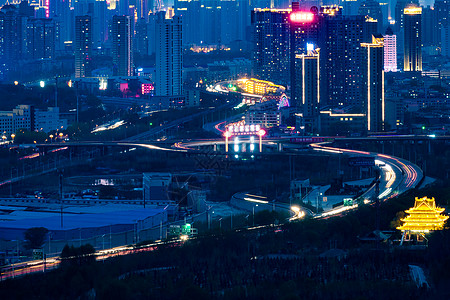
425, 216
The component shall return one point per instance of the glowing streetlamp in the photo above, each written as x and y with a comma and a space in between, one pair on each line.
51, 138
12, 137
227, 136
42, 84
261, 132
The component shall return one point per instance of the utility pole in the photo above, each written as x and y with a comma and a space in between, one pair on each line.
61, 194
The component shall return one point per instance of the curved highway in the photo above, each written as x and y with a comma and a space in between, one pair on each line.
397, 175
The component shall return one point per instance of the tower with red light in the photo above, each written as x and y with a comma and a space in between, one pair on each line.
304, 26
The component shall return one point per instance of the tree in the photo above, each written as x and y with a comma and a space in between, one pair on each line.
77, 256
35, 237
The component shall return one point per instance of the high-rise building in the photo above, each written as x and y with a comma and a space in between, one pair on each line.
41, 34
372, 9
271, 45
412, 58
83, 45
213, 22
430, 28
304, 26
399, 12
141, 37
390, 51
122, 46
97, 9
341, 62
307, 87
445, 40
169, 57
13, 36
373, 91
442, 8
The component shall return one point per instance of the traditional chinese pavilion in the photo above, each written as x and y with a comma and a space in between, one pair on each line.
423, 217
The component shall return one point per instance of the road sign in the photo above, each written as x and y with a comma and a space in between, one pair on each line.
38, 254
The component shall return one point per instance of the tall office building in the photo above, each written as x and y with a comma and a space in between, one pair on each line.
141, 37
122, 46
430, 28
412, 58
372, 9
442, 8
390, 51
399, 12
83, 45
13, 36
97, 9
41, 34
271, 45
169, 57
304, 26
373, 91
340, 44
445, 40
213, 22
307, 87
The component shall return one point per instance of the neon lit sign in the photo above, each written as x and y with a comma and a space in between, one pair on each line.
301, 17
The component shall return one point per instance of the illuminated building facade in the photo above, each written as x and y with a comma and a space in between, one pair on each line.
374, 83
307, 87
341, 59
304, 33
412, 58
424, 217
121, 46
259, 87
169, 58
390, 51
83, 44
399, 12
271, 45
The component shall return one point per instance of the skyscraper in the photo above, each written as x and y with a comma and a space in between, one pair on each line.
13, 36
340, 44
412, 58
307, 87
121, 46
373, 75
304, 26
141, 37
390, 51
372, 9
169, 58
271, 45
41, 35
430, 28
83, 45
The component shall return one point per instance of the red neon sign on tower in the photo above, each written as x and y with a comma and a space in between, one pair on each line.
301, 17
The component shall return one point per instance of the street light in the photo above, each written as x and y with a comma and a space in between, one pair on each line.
12, 137
254, 215
51, 138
